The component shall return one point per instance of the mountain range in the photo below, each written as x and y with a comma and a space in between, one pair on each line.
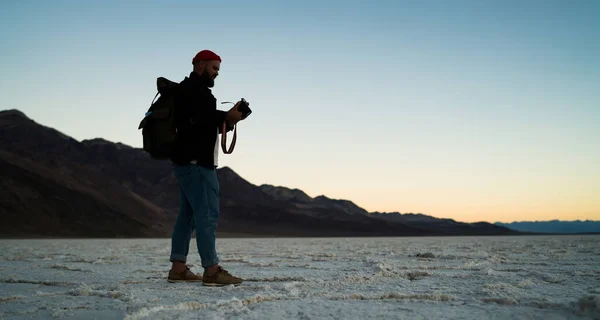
554, 226
55, 186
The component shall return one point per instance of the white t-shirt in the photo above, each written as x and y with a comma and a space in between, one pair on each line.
216, 152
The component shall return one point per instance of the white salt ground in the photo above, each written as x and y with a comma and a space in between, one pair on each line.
536, 277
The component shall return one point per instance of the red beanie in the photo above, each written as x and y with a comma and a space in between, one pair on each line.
205, 55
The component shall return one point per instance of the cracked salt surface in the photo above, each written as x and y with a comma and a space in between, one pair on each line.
535, 277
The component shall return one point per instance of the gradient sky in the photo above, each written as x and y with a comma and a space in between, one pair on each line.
471, 110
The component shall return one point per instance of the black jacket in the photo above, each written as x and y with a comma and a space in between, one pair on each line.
197, 120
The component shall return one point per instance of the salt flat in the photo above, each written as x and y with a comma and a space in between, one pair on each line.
534, 277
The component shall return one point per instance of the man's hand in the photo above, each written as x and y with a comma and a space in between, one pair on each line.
233, 115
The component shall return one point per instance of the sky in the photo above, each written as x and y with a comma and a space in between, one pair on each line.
470, 110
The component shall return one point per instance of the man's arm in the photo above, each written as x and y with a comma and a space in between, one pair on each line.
232, 117
221, 116
183, 112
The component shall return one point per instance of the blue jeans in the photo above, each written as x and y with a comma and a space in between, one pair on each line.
199, 209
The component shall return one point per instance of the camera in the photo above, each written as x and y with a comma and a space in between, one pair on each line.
244, 108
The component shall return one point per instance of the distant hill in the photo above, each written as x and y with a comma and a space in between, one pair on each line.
554, 226
54, 186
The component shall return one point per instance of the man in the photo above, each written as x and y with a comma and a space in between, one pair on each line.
194, 159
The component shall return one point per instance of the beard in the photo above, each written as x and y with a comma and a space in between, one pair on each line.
210, 82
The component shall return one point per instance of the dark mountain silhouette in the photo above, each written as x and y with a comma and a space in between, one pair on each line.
54, 186
443, 226
554, 226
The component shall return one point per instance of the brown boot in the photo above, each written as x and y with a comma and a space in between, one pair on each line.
220, 278
186, 276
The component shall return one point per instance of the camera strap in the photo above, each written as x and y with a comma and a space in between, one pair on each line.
224, 138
